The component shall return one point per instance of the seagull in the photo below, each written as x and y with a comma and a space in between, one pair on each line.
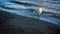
38, 11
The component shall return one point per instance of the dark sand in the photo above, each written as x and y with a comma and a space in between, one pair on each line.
16, 24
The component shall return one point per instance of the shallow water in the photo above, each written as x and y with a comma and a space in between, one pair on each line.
25, 8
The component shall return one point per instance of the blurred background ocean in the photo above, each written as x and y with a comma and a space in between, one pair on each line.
25, 8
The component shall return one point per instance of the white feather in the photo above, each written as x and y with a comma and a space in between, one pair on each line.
39, 11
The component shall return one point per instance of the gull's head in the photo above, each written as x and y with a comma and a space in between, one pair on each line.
39, 11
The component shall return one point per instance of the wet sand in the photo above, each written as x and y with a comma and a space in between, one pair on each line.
16, 24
